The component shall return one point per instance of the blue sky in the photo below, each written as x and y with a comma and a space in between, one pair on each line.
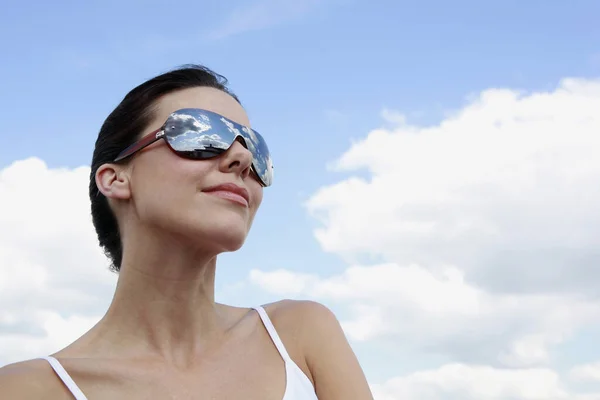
314, 76
334, 63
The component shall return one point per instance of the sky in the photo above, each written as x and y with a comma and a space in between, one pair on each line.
437, 169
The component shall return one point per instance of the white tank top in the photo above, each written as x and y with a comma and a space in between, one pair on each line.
298, 386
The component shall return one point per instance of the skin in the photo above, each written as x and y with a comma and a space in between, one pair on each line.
164, 336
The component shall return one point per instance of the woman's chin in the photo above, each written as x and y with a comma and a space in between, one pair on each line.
223, 240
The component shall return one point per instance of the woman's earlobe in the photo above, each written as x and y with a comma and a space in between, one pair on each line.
113, 181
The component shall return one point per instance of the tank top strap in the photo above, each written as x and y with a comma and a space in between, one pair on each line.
66, 378
273, 333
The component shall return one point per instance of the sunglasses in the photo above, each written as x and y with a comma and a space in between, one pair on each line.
198, 134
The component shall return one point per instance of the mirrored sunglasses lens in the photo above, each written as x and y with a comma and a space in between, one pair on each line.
194, 135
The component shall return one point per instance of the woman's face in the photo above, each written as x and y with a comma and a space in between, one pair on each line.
168, 193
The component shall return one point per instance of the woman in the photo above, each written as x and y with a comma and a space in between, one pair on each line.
177, 177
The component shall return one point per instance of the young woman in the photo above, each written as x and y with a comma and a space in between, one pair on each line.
176, 178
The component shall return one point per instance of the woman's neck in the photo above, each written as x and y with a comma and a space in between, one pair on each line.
164, 304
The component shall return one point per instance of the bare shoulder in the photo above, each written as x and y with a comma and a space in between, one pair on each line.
32, 379
303, 322
296, 313
322, 345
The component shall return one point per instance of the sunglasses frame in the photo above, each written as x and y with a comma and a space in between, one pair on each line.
145, 141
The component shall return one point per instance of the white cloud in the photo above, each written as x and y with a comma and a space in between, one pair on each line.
393, 117
282, 282
487, 229
586, 372
54, 282
45, 332
507, 182
464, 382
441, 312
261, 14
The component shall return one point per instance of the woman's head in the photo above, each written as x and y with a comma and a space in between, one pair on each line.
156, 191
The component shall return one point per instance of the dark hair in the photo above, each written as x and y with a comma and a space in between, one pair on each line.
123, 127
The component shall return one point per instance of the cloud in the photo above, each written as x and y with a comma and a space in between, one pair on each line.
262, 14
440, 312
54, 282
474, 382
586, 372
501, 188
393, 117
486, 230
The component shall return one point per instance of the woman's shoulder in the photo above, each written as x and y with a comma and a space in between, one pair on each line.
31, 379
299, 324
305, 324
321, 345
300, 315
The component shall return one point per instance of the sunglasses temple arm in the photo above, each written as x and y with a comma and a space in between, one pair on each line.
140, 144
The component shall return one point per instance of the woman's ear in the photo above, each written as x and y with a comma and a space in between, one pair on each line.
113, 181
